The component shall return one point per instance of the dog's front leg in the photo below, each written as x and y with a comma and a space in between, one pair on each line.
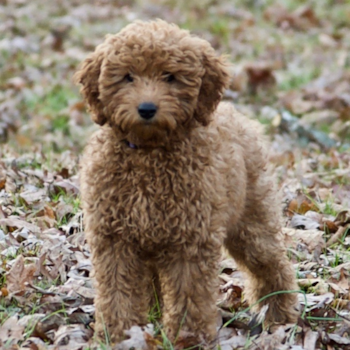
124, 287
189, 293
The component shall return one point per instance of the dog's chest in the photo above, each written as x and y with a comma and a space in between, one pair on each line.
162, 200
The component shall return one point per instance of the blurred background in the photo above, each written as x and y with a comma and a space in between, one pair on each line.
290, 64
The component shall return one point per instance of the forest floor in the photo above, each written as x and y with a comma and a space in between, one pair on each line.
291, 71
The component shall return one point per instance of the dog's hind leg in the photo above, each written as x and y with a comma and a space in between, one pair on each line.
256, 243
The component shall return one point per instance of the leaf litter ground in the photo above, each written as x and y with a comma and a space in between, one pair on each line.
290, 70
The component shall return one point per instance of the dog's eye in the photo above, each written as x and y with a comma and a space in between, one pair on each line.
169, 78
129, 78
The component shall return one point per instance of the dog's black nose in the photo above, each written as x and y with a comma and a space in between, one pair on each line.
147, 110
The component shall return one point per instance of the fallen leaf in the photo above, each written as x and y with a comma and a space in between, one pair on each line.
316, 301
15, 222
303, 222
136, 338
20, 275
72, 337
310, 340
338, 235
338, 339
311, 238
260, 75
11, 332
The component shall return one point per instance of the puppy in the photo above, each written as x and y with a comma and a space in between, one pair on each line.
171, 176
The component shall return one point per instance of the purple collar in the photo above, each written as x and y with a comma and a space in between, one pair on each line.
131, 145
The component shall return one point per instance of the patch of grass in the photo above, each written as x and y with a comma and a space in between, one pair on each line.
19, 204
61, 122
155, 313
67, 198
105, 331
294, 80
2, 279
326, 128
46, 284
8, 309
325, 274
342, 180
324, 319
329, 209
337, 260
32, 164
53, 102
14, 255
221, 28
70, 200
74, 201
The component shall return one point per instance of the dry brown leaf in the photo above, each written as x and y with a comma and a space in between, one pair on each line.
188, 339
72, 337
310, 339
87, 293
65, 185
301, 205
330, 226
339, 340
260, 74
304, 222
4, 292
235, 342
338, 235
2, 183
308, 282
137, 338
303, 18
11, 332
271, 341
344, 280
341, 304
46, 324
20, 275
2, 213
34, 343
34, 195
316, 301
16, 222
311, 238
343, 217
232, 297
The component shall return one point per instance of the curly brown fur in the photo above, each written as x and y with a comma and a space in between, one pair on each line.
161, 195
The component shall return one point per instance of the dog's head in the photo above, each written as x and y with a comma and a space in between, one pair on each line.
151, 81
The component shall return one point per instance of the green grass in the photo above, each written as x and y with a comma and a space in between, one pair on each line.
61, 122
295, 80
69, 199
46, 284
8, 309
329, 208
221, 28
52, 102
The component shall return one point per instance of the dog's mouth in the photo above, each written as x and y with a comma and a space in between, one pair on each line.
146, 135
139, 132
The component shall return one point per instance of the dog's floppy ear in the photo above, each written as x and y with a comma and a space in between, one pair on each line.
215, 80
87, 75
